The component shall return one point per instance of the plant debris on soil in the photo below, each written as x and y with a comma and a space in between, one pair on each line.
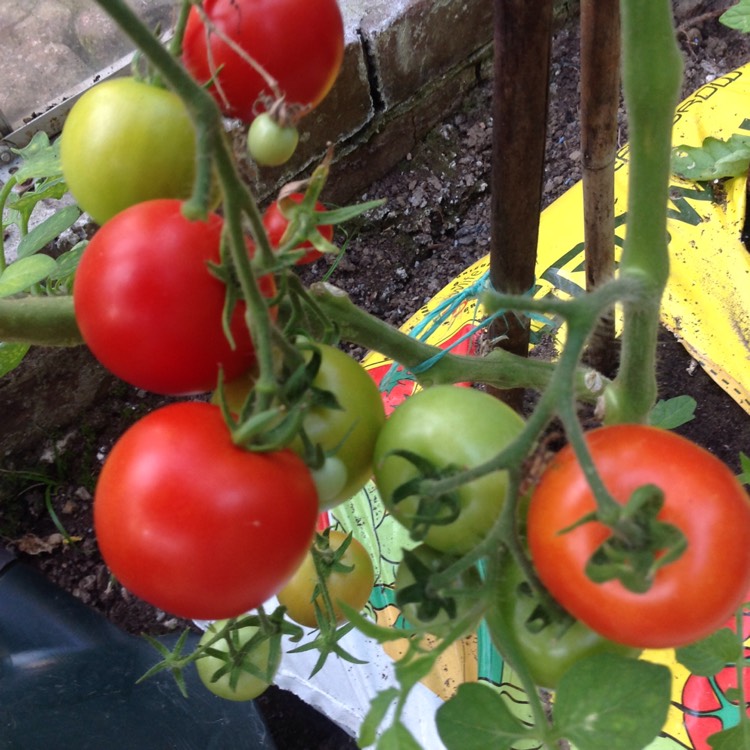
436, 222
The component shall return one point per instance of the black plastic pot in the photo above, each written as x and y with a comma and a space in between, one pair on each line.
68, 680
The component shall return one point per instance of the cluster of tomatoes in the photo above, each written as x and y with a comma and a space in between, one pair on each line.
199, 525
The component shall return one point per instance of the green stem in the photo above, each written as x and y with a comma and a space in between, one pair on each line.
4, 195
39, 321
652, 74
257, 316
175, 44
499, 368
200, 104
504, 640
212, 148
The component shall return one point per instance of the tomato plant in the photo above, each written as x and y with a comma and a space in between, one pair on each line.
196, 525
238, 671
140, 139
276, 220
423, 606
298, 43
690, 597
549, 648
270, 143
453, 428
149, 307
350, 580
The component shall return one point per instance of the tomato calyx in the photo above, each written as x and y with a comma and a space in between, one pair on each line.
432, 509
328, 561
234, 653
430, 601
639, 545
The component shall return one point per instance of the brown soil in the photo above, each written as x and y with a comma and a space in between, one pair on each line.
435, 223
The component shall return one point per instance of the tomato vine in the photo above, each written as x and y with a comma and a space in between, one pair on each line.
429, 483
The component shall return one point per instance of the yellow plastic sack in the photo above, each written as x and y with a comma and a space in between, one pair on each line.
707, 306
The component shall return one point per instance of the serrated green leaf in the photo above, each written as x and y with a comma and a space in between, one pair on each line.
379, 706
25, 272
477, 718
11, 356
714, 159
40, 158
612, 701
51, 228
24, 205
398, 737
710, 655
736, 738
738, 17
672, 412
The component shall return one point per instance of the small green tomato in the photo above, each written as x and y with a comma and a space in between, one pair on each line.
270, 143
248, 686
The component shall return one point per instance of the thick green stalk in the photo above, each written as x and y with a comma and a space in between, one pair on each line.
652, 74
39, 321
432, 365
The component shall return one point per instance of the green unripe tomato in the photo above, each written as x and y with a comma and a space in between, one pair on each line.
126, 142
346, 436
453, 428
436, 609
248, 686
269, 143
550, 652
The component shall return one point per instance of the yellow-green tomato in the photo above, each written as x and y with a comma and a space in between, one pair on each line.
454, 428
346, 435
552, 650
125, 142
352, 587
248, 686
423, 606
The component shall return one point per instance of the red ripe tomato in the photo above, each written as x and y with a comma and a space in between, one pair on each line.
690, 597
300, 43
196, 525
150, 309
276, 223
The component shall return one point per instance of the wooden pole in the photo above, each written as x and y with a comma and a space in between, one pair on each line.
522, 37
600, 98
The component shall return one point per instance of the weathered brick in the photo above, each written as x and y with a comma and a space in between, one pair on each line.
428, 38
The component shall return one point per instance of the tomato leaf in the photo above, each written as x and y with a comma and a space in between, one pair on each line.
347, 213
379, 706
477, 718
672, 412
710, 655
736, 738
42, 234
612, 701
738, 17
67, 262
714, 159
744, 476
11, 356
25, 272
397, 737
40, 158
